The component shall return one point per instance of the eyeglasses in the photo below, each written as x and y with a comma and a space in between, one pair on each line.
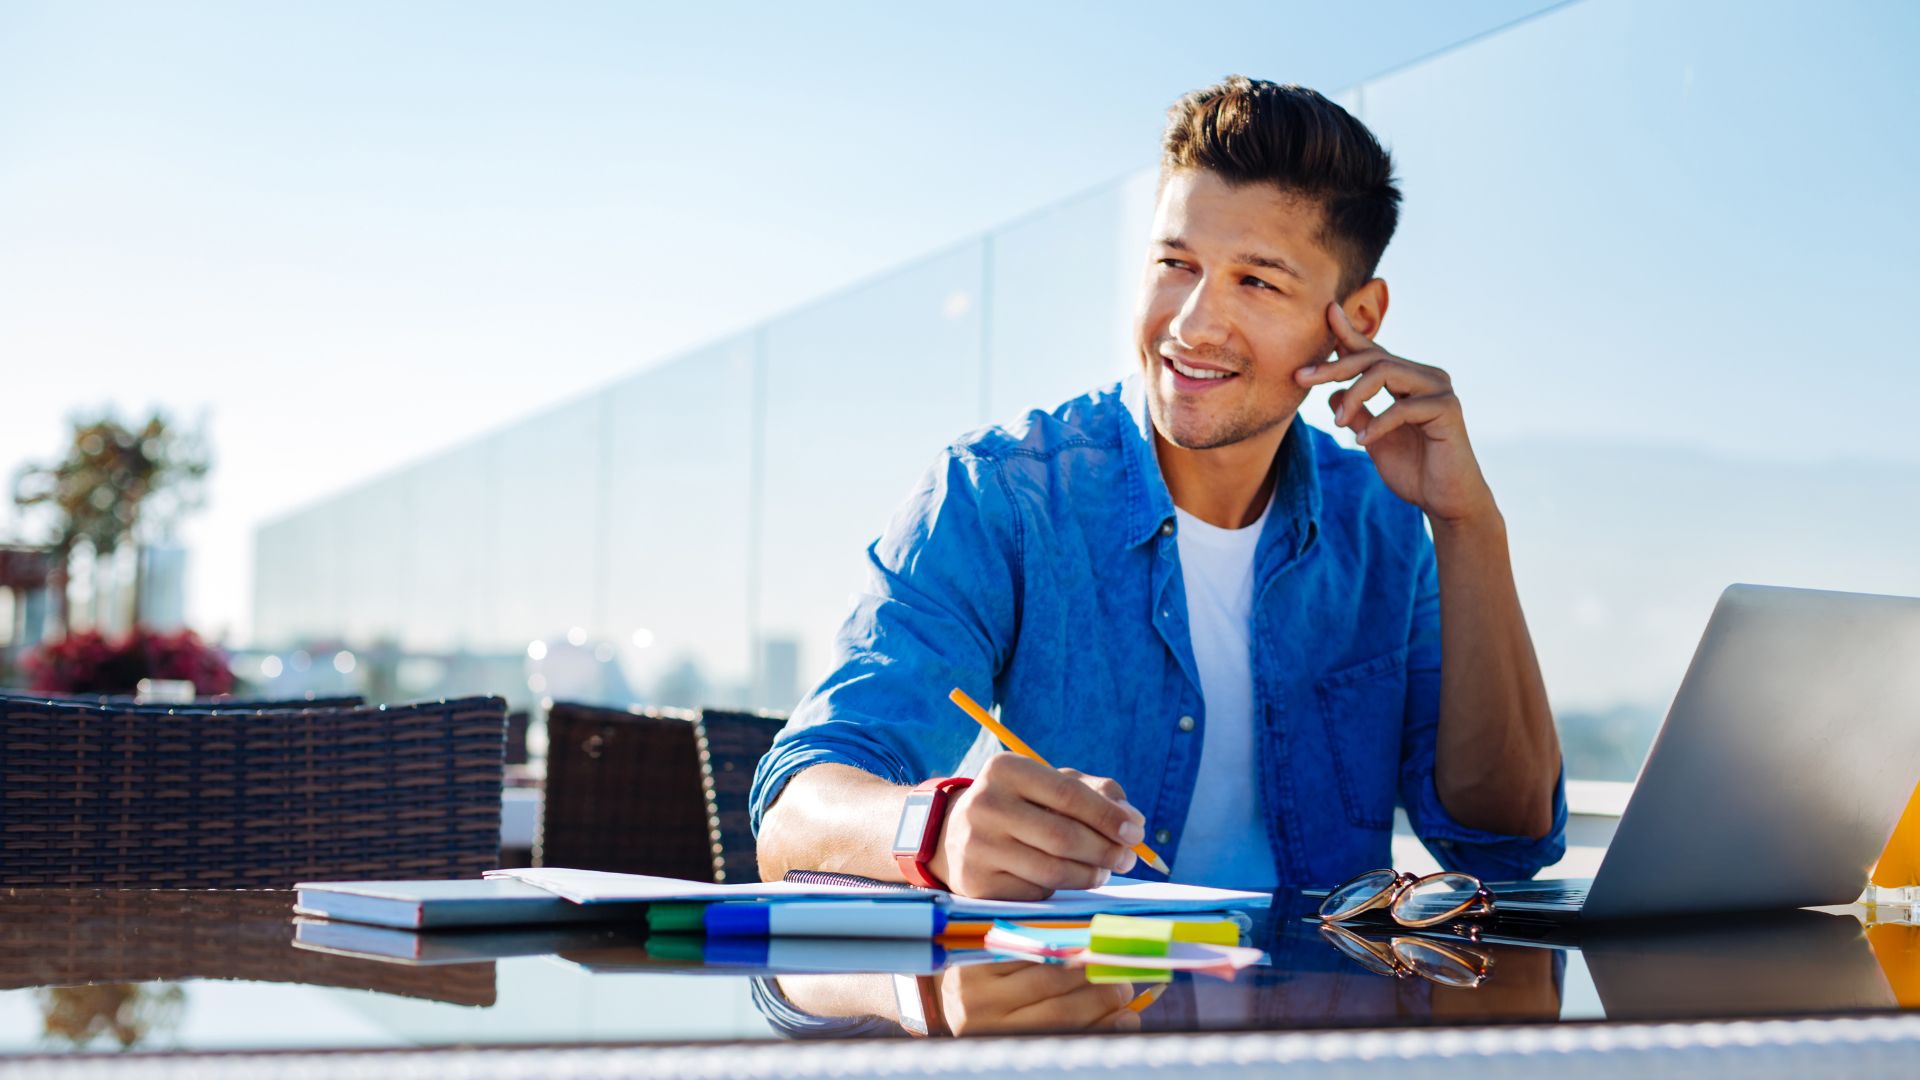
1446, 963
1410, 900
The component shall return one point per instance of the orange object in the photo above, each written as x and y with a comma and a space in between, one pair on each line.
1147, 997
1017, 745
969, 928
1899, 865
1897, 947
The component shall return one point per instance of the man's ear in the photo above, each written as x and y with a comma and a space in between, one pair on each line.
1366, 308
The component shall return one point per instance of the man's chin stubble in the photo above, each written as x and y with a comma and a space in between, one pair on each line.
1236, 430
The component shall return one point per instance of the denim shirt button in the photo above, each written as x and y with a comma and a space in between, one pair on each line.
1166, 528
1186, 723
1162, 836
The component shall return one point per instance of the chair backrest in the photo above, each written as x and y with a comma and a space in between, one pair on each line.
731, 746
255, 704
624, 793
518, 721
193, 797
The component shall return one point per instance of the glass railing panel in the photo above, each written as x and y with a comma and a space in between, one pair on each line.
1658, 258
861, 392
378, 582
1061, 296
678, 517
546, 473
446, 552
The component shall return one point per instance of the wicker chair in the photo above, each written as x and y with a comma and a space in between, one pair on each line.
624, 793
223, 797
731, 746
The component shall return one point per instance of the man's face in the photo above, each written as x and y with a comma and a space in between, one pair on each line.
1236, 294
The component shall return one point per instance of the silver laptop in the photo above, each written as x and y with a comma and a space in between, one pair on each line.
1789, 753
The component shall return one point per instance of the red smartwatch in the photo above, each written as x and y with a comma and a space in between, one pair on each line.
918, 836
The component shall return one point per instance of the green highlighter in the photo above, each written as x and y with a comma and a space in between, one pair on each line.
677, 918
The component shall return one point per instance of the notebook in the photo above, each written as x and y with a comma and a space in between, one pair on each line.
417, 905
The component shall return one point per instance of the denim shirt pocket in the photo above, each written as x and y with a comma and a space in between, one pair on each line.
1364, 707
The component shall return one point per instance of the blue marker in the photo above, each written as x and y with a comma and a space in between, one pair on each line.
826, 918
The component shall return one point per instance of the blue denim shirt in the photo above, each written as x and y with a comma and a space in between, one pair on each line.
1036, 567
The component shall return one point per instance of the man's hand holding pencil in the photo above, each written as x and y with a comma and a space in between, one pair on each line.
1024, 828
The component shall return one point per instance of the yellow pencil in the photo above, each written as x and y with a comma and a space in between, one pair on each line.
1013, 742
1147, 997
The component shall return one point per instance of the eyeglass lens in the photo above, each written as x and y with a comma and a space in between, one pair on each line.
1434, 898
1356, 894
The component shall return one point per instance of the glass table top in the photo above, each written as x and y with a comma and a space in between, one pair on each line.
94, 970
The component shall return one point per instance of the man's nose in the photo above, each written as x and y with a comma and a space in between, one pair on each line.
1200, 320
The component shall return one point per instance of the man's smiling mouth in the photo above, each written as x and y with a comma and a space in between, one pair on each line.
1196, 372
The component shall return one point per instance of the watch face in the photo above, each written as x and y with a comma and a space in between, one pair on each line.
913, 823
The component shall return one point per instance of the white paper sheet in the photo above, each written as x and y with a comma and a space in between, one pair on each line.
600, 886
1119, 896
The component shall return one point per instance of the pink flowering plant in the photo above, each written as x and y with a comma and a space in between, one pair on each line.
87, 662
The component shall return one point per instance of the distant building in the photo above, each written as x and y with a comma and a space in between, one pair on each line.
778, 683
163, 586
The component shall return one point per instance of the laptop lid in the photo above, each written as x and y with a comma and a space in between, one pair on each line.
1789, 753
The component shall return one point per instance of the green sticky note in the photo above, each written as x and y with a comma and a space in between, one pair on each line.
1207, 931
677, 918
1128, 935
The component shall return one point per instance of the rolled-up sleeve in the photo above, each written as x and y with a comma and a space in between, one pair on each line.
1487, 855
939, 611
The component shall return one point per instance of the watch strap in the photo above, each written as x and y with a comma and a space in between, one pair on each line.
914, 865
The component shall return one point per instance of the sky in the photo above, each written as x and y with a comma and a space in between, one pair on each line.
342, 236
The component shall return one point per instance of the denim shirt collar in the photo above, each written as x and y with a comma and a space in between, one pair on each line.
1295, 521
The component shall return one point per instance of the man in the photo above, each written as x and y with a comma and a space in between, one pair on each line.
1240, 631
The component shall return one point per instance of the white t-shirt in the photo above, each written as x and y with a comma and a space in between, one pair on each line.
1225, 842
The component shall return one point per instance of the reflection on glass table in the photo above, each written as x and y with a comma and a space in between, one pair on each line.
101, 970
1406, 955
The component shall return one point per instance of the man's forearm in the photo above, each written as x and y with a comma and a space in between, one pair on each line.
1496, 756
832, 817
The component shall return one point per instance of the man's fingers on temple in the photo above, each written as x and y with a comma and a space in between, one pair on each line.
1347, 366
1361, 415
1343, 329
1420, 410
1398, 377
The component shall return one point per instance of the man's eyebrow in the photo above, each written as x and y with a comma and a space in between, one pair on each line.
1246, 259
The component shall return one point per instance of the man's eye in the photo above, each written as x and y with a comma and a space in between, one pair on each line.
1251, 280
1175, 264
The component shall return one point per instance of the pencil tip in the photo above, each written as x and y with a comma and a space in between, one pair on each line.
1161, 865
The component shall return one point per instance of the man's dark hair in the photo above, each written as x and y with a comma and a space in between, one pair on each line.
1250, 131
